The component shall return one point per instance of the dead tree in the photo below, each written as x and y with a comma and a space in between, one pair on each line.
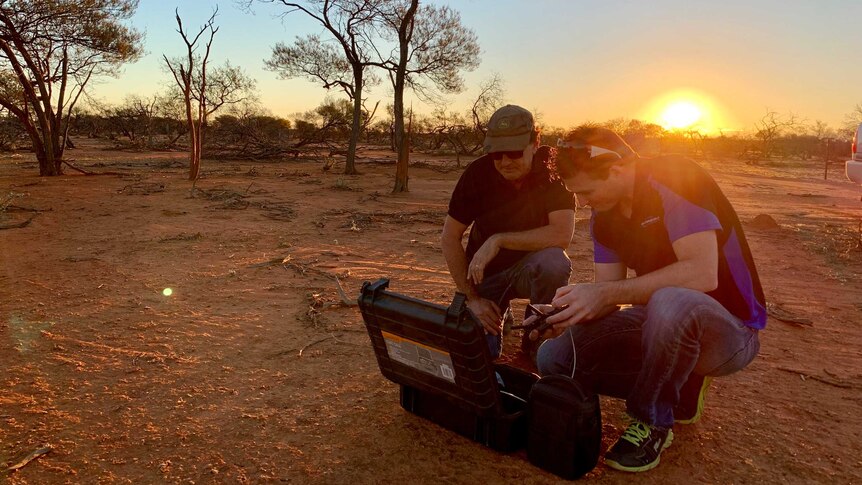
771, 126
490, 97
185, 75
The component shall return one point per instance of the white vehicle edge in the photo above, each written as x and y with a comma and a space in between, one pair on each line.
853, 167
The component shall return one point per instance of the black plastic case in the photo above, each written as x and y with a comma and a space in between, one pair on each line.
565, 427
440, 358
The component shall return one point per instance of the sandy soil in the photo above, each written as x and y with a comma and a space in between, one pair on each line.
251, 371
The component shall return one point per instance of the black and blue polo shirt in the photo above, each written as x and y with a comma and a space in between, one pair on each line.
493, 205
674, 197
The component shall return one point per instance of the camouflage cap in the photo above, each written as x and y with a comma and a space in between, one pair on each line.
510, 128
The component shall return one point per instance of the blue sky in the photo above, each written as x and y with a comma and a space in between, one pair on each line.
574, 61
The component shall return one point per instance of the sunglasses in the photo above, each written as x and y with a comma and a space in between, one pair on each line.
512, 155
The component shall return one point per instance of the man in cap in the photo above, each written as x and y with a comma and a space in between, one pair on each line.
697, 303
522, 221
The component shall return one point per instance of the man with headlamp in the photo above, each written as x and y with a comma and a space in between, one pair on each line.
692, 311
522, 221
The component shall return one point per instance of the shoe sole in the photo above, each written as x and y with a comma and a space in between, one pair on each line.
649, 466
701, 402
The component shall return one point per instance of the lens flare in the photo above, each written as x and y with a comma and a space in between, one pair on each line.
167, 292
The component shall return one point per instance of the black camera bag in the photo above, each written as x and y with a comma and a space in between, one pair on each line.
564, 427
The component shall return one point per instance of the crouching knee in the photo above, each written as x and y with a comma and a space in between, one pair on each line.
551, 264
674, 304
551, 360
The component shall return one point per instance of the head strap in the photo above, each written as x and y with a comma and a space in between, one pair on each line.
593, 150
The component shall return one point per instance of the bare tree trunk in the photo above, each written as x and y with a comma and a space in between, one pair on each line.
49, 155
350, 164
401, 165
193, 139
195, 151
184, 76
49, 166
405, 33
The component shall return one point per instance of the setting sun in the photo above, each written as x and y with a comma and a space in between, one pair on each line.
680, 114
686, 108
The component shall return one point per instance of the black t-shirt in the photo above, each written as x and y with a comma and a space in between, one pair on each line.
674, 197
494, 205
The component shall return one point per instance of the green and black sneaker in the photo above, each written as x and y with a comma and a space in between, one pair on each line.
639, 448
692, 396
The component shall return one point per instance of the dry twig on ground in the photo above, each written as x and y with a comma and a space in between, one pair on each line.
142, 188
85, 172
324, 339
18, 225
44, 450
344, 298
7, 201
805, 375
777, 312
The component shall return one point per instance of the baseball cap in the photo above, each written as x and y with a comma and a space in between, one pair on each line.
510, 128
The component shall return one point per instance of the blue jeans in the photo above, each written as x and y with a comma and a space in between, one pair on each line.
536, 276
646, 353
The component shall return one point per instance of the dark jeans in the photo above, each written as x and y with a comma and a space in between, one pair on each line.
536, 276
646, 353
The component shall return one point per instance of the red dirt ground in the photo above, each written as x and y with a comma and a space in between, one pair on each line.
252, 372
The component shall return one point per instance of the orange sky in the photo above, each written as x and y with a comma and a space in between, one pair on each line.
584, 61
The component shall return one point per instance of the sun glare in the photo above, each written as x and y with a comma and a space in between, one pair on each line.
686, 109
680, 114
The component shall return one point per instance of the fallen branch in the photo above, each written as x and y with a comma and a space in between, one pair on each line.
142, 188
271, 262
18, 208
28, 184
324, 339
18, 225
85, 172
8, 200
303, 268
807, 195
777, 312
32, 456
344, 298
803, 375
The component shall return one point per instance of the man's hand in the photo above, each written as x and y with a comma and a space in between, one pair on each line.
476, 268
488, 313
585, 301
534, 334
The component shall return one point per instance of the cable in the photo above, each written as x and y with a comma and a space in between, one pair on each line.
503, 295
574, 354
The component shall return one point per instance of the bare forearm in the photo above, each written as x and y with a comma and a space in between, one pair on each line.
534, 239
637, 291
456, 260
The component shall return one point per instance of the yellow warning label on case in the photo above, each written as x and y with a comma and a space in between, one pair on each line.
419, 356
